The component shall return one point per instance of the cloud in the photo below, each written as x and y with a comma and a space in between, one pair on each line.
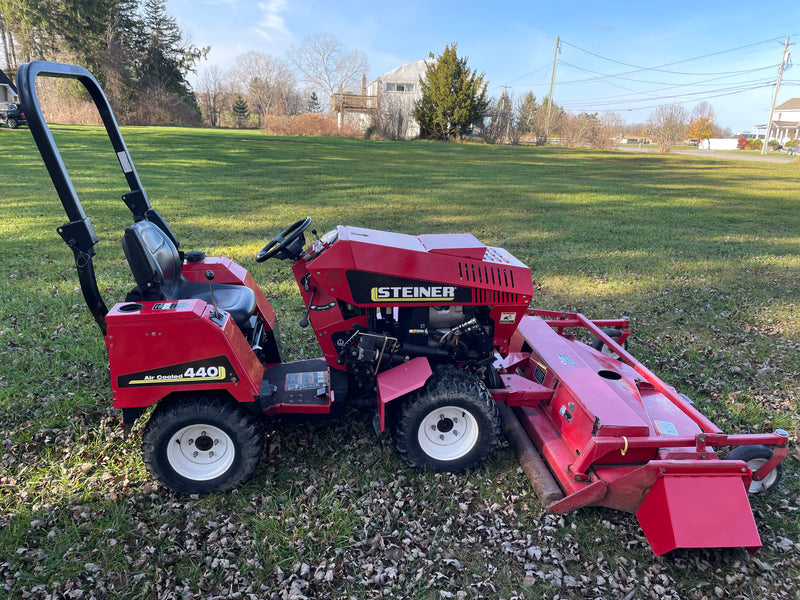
272, 21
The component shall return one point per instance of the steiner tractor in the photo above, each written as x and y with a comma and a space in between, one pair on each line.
431, 333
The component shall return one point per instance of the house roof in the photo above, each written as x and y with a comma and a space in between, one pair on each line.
407, 73
793, 104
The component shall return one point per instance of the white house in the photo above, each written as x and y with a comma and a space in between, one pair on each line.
7, 94
389, 100
785, 123
397, 92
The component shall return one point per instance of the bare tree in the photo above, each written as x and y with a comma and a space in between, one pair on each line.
503, 127
667, 125
211, 93
323, 63
267, 82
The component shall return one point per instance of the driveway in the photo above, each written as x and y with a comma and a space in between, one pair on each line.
721, 154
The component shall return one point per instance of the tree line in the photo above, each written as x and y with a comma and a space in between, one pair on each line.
134, 48
143, 60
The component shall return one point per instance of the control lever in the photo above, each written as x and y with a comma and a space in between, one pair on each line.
215, 313
304, 321
324, 245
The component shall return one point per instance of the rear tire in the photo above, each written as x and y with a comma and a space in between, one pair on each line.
450, 424
754, 457
12, 123
202, 444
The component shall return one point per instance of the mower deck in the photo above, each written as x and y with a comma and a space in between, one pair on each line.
612, 436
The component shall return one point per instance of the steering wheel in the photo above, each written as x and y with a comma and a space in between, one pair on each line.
284, 245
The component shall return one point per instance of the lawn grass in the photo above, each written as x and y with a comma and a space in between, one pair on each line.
702, 255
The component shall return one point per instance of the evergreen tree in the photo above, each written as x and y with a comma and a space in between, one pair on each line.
526, 113
166, 57
453, 97
241, 112
313, 105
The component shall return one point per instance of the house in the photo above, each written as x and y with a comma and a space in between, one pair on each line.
397, 92
785, 123
8, 93
388, 102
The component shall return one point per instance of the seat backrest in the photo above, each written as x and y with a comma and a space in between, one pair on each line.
153, 258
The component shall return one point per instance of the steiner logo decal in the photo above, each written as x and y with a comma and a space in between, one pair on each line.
413, 293
368, 288
210, 370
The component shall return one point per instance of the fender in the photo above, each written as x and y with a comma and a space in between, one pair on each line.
399, 381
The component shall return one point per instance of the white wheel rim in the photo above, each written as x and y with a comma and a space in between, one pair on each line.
200, 452
447, 433
609, 352
759, 486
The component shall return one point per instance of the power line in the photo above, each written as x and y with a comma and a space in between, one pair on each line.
704, 94
677, 62
601, 76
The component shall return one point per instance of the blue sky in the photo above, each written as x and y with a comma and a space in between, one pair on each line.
626, 57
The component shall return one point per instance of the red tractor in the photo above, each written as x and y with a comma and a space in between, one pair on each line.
432, 333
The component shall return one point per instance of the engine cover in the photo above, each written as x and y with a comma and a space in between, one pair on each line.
372, 269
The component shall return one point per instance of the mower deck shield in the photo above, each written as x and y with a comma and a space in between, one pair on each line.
699, 506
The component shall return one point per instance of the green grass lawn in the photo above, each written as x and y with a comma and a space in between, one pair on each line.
702, 255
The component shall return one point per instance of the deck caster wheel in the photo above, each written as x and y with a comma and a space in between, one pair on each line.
197, 445
614, 334
754, 457
450, 424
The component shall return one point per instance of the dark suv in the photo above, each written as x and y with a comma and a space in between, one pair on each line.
12, 114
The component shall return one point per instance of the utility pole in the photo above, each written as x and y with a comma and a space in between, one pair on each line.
550, 96
775, 97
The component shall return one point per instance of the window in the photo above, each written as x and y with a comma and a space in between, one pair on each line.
400, 87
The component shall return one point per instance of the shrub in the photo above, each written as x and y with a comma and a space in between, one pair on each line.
308, 124
742, 144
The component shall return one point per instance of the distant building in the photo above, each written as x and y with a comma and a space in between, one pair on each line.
7, 94
389, 100
398, 91
785, 123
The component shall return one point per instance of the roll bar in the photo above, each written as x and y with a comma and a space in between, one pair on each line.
78, 233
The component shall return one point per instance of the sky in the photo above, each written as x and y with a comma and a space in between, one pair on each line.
626, 57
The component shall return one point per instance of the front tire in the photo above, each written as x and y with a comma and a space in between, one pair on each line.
450, 424
203, 444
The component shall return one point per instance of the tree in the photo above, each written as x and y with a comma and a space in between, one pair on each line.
503, 127
267, 82
313, 105
526, 113
453, 97
167, 57
667, 125
241, 112
543, 119
211, 94
701, 125
323, 62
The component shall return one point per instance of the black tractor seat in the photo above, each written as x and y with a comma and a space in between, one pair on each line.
157, 268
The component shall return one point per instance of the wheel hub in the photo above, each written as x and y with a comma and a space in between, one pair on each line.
200, 452
444, 425
447, 433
